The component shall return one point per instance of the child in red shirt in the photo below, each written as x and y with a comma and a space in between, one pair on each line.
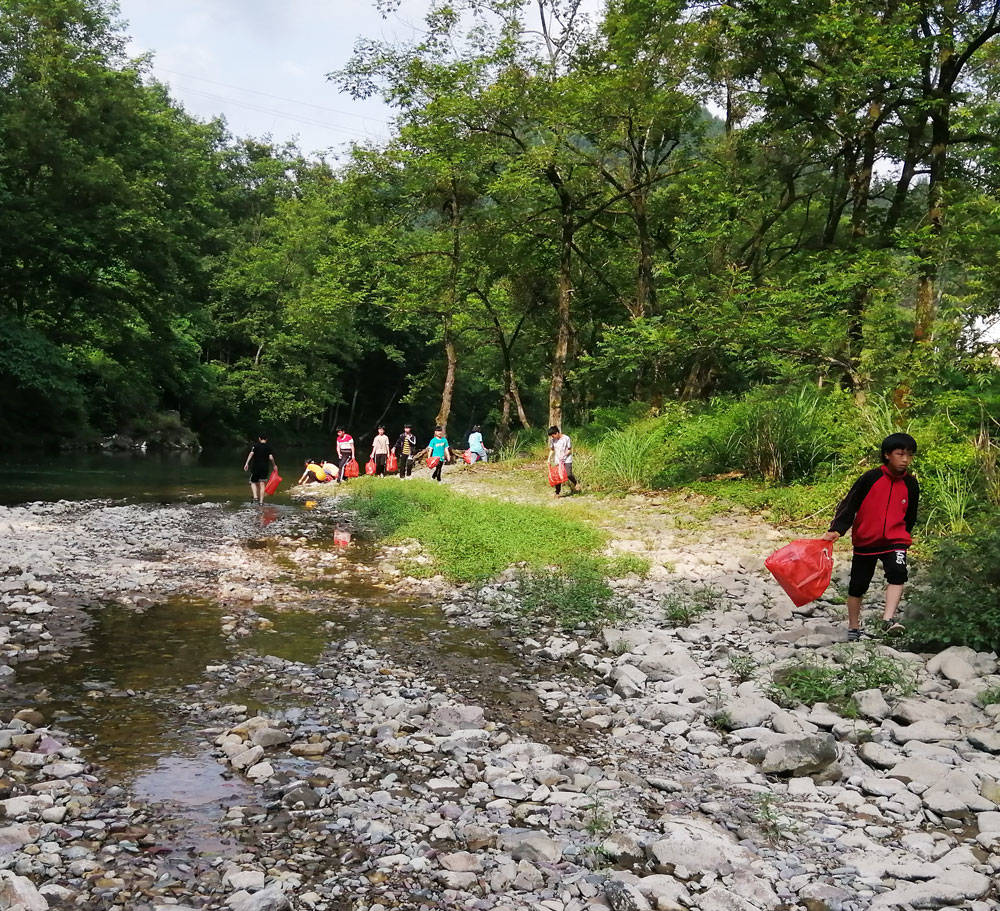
880, 510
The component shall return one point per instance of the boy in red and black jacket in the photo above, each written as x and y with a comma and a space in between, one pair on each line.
880, 510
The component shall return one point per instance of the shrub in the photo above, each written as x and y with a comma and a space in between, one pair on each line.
807, 680
568, 598
958, 602
743, 665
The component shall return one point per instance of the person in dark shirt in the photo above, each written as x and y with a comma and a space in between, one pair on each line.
260, 461
880, 510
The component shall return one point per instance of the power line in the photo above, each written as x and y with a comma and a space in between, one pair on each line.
306, 121
239, 88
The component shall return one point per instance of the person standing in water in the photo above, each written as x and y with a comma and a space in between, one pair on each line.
406, 449
380, 452
438, 449
345, 451
260, 462
476, 446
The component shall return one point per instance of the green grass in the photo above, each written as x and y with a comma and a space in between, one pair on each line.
472, 539
780, 502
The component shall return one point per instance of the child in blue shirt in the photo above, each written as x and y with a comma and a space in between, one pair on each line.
438, 449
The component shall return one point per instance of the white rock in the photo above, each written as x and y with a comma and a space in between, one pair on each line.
19, 892
692, 847
872, 704
530, 846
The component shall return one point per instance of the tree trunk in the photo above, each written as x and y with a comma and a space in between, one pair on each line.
561, 352
914, 138
927, 286
861, 191
516, 396
645, 288
449, 380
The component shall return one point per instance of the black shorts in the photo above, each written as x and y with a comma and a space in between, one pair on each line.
863, 568
257, 478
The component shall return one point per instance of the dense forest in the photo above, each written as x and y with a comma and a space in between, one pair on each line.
669, 203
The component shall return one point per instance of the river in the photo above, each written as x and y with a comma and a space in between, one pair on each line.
150, 478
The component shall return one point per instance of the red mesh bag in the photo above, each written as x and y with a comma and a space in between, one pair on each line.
272, 483
351, 469
803, 568
468, 457
391, 465
557, 474
370, 467
432, 462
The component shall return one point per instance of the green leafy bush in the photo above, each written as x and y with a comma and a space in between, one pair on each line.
576, 596
958, 601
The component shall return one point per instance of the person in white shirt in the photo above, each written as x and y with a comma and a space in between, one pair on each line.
380, 452
561, 453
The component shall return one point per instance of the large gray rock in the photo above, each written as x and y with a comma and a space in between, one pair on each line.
530, 846
924, 731
872, 704
953, 887
800, 754
668, 666
446, 719
628, 680
461, 862
19, 892
748, 712
270, 899
664, 892
691, 847
878, 756
985, 740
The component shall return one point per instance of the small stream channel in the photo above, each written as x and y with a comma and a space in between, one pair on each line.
120, 690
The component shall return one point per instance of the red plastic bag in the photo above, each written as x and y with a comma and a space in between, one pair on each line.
803, 568
272, 483
351, 469
468, 457
557, 474
432, 462
391, 465
370, 467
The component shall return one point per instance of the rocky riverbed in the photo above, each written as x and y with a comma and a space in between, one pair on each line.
366, 740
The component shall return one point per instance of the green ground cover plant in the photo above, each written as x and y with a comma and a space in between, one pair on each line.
688, 602
578, 595
471, 539
989, 696
808, 680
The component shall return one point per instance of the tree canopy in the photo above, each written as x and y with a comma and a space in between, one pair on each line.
666, 201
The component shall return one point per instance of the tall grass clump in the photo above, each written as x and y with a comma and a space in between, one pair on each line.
779, 438
627, 459
471, 539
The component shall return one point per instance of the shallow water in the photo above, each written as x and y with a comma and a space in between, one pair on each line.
156, 477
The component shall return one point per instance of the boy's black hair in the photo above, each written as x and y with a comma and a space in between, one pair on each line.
261, 435
898, 441
553, 429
